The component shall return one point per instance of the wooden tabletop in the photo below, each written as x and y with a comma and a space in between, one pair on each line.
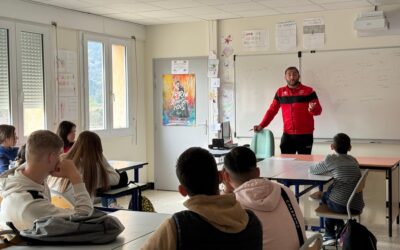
364, 161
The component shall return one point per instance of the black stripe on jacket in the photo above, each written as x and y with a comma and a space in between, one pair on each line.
296, 99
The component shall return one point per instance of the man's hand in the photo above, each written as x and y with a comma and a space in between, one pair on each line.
311, 106
257, 128
67, 169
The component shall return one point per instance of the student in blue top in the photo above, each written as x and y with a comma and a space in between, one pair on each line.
346, 173
8, 151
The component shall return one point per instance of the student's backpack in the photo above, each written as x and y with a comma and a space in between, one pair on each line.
356, 236
99, 228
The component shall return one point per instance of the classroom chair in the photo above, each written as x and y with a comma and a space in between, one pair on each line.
323, 210
313, 243
263, 144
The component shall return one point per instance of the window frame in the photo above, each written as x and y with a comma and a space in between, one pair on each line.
107, 42
15, 76
12, 66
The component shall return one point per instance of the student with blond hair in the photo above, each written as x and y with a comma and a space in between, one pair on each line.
96, 172
26, 196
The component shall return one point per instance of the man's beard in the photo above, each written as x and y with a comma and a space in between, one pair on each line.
294, 84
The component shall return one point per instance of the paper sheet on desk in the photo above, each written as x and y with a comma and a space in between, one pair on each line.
282, 158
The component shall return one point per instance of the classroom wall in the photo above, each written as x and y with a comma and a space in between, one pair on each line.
169, 41
70, 24
339, 35
181, 40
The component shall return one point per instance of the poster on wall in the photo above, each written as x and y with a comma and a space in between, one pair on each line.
179, 100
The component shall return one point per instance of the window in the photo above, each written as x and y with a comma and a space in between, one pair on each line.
25, 71
32, 81
107, 103
5, 112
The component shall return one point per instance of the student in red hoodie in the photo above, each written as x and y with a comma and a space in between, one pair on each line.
299, 106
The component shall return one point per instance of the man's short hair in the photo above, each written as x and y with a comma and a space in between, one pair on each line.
197, 172
42, 142
240, 163
292, 68
6, 131
342, 143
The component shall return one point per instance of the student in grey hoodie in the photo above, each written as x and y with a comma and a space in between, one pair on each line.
26, 196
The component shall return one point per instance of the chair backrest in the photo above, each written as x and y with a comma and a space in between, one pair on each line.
60, 201
313, 243
357, 189
263, 144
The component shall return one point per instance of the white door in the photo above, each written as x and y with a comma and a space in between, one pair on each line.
171, 141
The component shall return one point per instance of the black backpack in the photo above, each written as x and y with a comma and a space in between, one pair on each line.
356, 236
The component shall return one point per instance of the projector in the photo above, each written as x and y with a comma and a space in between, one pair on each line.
372, 21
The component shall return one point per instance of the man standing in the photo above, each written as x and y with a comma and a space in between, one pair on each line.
299, 104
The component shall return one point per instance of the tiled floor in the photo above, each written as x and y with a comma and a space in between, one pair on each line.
170, 202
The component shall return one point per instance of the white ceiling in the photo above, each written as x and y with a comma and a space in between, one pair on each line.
150, 12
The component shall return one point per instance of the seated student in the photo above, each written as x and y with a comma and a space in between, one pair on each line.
346, 173
264, 197
87, 154
26, 196
213, 221
67, 130
8, 152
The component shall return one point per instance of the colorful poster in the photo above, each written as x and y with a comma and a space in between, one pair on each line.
179, 100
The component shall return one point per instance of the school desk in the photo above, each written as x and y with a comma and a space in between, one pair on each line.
388, 164
292, 172
128, 165
137, 225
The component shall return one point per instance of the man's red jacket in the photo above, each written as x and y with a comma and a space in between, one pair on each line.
297, 119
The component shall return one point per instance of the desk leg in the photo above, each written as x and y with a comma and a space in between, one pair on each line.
321, 219
136, 177
135, 203
296, 192
389, 176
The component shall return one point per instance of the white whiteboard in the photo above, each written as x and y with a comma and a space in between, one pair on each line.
359, 91
257, 77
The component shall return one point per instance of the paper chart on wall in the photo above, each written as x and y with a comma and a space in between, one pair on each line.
286, 36
67, 73
255, 40
313, 33
68, 108
213, 67
179, 66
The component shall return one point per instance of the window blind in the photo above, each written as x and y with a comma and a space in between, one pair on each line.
4, 78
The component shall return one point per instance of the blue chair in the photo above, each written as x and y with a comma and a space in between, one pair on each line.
263, 144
